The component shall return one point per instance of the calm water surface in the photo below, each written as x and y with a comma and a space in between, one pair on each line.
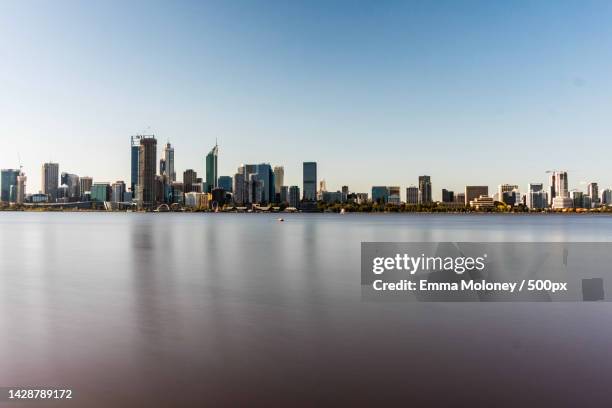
239, 309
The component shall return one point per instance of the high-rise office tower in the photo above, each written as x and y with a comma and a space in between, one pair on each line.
560, 190
255, 189
225, 182
8, 181
473, 192
147, 164
118, 191
447, 196
21, 188
560, 184
412, 195
261, 183
425, 190
606, 196
100, 192
593, 192
309, 181
211, 169
134, 151
587, 202
85, 184
240, 188
576, 197
551, 188
189, 179
279, 178
284, 194
246, 185
294, 196
322, 189
380, 194
345, 194
536, 196
72, 182
169, 159
50, 180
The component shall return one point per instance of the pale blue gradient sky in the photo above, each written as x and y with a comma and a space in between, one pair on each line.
376, 92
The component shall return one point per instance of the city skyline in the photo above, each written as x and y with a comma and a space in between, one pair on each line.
445, 90
263, 184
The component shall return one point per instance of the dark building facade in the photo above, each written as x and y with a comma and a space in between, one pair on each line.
147, 164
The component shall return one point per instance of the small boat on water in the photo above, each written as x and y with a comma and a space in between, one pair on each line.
342, 211
280, 219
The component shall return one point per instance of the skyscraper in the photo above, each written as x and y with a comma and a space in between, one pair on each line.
118, 191
561, 184
264, 180
294, 196
606, 196
169, 163
322, 189
211, 168
50, 180
189, 179
412, 195
147, 163
309, 181
425, 190
240, 187
284, 194
577, 199
380, 194
21, 188
345, 193
135, 151
72, 182
85, 184
8, 180
225, 182
100, 192
593, 192
447, 196
551, 188
279, 178
560, 190
536, 196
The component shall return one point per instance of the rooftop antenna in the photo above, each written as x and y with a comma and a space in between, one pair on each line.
19, 159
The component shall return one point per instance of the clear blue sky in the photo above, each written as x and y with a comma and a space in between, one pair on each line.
376, 92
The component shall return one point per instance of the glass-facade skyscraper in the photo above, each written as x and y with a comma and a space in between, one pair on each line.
380, 194
279, 178
50, 180
309, 184
135, 149
211, 169
147, 166
425, 190
169, 163
8, 180
225, 182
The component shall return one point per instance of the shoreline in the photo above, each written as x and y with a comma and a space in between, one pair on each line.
407, 213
